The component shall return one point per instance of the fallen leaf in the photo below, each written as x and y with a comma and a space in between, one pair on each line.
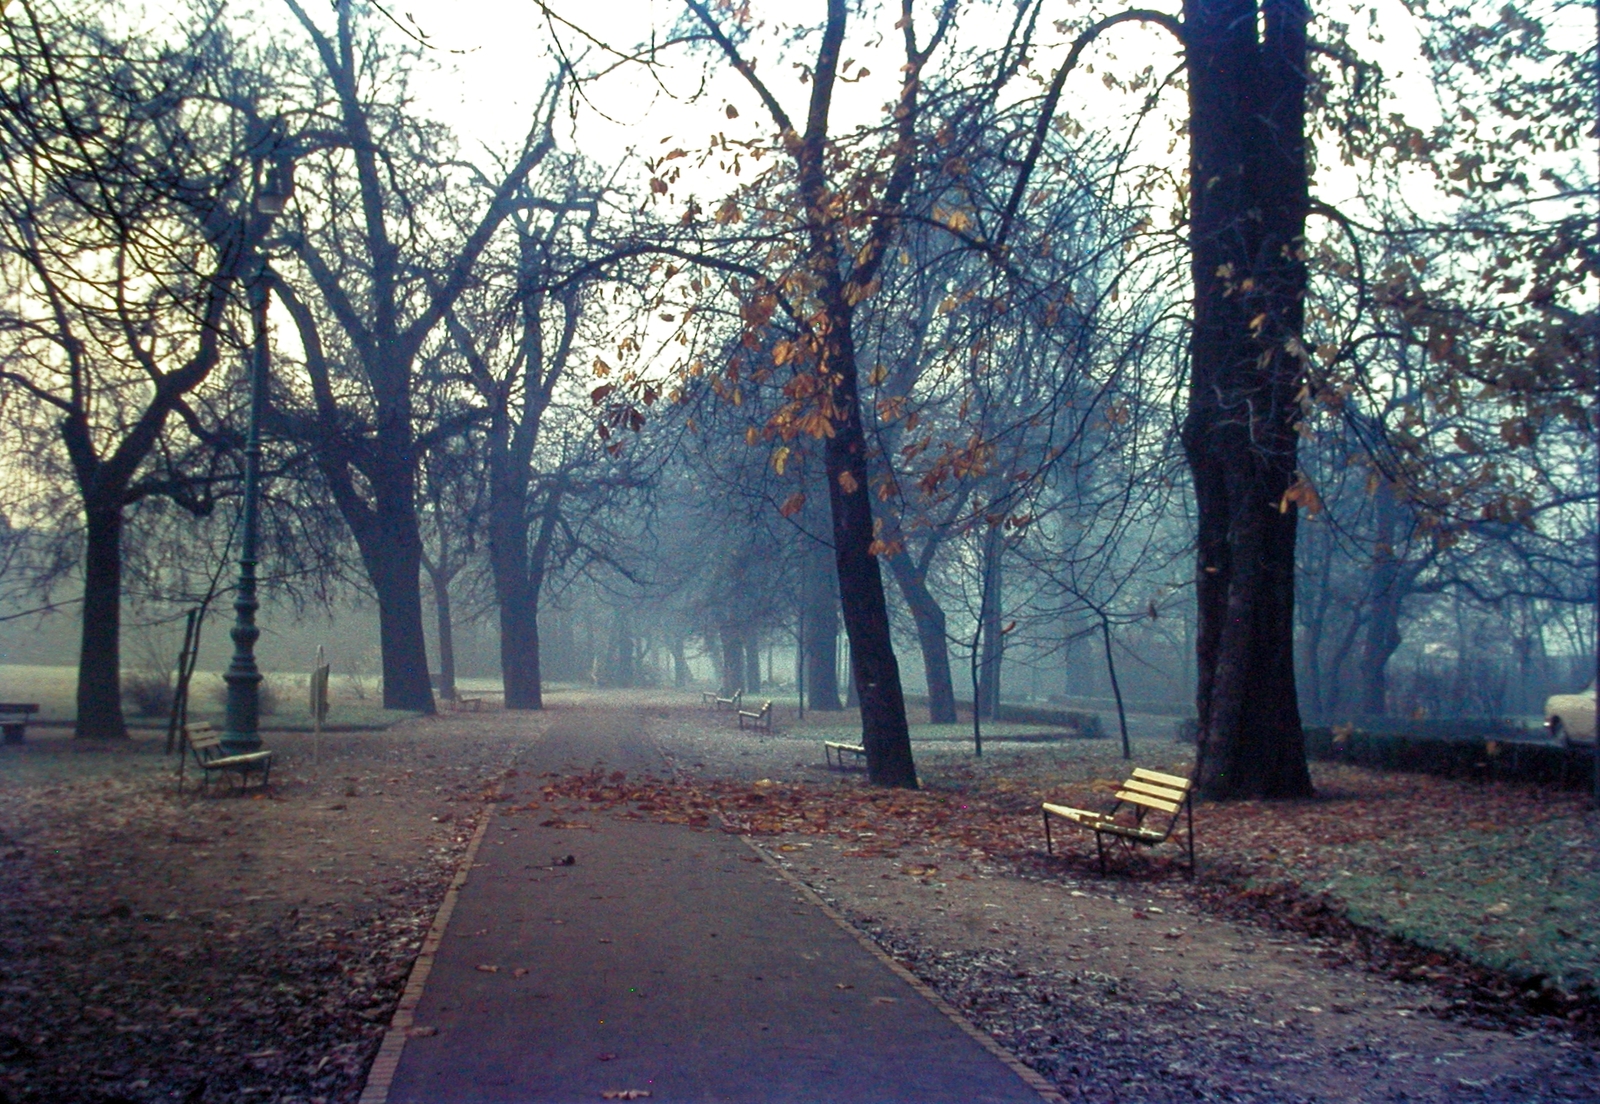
520, 971
604, 1057
488, 969
885, 1000
624, 1094
842, 985
421, 1032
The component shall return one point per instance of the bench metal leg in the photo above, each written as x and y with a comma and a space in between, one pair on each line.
1189, 809
1049, 848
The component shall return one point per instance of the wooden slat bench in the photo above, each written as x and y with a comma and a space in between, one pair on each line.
1144, 794
833, 753
206, 744
762, 719
717, 701
14, 719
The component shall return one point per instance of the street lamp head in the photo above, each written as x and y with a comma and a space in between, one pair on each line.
277, 189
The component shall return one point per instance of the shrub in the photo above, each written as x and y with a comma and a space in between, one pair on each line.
148, 693
266, 695
1087, 724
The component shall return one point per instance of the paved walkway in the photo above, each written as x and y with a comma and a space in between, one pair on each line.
665, 960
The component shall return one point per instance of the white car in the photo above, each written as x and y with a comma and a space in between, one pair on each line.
1569, 718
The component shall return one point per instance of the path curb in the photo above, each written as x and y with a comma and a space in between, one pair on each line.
1031, 1077
381, 1073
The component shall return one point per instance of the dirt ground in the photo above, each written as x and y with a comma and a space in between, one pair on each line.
157, 947
224, 948
1128, 988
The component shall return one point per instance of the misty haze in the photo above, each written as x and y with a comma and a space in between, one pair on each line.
847, 552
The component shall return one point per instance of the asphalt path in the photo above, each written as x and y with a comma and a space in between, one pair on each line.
665, 961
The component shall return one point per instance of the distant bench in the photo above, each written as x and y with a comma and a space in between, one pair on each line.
14, 719
762, 719
717, 701
833, 753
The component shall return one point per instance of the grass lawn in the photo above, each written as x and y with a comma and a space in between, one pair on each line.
55, 691
952, 733
1503, 874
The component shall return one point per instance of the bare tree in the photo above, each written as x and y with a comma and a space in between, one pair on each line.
125, 242
389, 241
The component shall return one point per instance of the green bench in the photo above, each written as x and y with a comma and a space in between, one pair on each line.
14, 719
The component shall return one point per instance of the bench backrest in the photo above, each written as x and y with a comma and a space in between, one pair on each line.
203, 739
1154, 790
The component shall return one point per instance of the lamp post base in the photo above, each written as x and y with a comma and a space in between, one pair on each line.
241, 733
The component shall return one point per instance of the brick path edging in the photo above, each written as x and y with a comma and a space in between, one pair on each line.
381, 1073
1031, 1077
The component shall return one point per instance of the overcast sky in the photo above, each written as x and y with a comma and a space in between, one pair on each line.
489, 62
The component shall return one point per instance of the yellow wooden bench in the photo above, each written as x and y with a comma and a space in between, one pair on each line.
1145, 794
717, 702
205, 743
833, 753
762, 719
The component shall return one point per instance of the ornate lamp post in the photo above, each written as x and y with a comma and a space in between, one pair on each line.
241, 731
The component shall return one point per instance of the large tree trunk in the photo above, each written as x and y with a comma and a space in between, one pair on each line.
518, 581
988, 689
1382, 637
1315, 622
391, 551
752, 661
1250, 197
520, 671
621, 667
822, 638
447, 641
733, 669
931, 639
394, 571
680, 664
99, 658
875, 672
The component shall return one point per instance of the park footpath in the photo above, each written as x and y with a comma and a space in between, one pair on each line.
632, 960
